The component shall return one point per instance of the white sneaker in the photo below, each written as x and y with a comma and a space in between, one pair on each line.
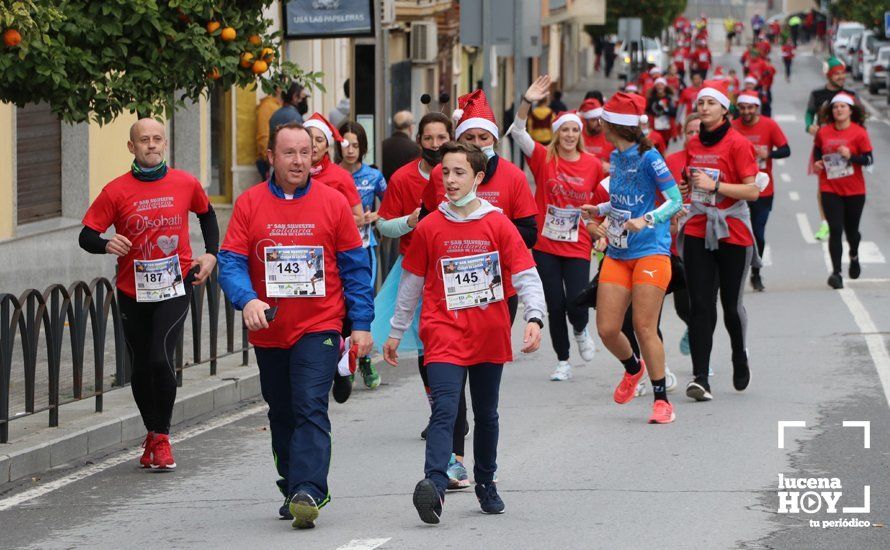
563, 372
586, 346
670, 380
642, 387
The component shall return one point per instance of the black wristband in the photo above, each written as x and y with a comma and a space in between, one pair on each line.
526, 100
536, 321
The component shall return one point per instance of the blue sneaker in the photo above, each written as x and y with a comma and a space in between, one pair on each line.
489, 500
684, 343
457, 474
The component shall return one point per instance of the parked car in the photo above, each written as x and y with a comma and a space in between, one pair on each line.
841, 37
847, 52
653, 54
869, 56
857, 52
878, 77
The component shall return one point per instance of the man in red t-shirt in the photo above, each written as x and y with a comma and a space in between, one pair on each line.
686, 101
460, 260
769, 143
595, 141
292, 261
149, 208
701, 59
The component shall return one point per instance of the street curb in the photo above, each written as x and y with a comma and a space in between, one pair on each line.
121, 426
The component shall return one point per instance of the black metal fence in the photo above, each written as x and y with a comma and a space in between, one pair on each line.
76, 308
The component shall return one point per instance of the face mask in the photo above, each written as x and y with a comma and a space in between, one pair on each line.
489, 151
303, 107
431, 156
466, 199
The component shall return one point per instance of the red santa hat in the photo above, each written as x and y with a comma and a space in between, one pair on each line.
843, 98
716, 89
625, 110
655, 71
751, 80
473, 111
591, 108
566, 116
661, 80
718, 73
631, 88
319, 122
749, 96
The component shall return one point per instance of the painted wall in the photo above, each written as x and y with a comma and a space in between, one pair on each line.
7, 170
109, 157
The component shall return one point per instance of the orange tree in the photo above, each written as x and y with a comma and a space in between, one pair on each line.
95, 60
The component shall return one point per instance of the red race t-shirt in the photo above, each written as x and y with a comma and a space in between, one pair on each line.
473, 335
687, 98
403, 194
340, 179
830, 139
676, 163
766, 134
153, 215
507, 189
658, 141
734, 157
701, 59
319, 218
563, 184
598, 145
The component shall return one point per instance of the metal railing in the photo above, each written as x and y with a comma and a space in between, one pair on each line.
76, 308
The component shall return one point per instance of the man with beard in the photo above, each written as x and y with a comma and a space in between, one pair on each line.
595, 141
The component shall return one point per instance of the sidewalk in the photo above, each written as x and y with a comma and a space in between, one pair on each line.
35, 448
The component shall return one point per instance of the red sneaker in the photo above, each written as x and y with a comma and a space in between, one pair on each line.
162, 453
628, 385
662, 413
145, 461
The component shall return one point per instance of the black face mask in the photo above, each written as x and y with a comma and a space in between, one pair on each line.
431, 156
303, 107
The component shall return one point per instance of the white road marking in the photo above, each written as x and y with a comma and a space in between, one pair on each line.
363, 544
785, 177
869, 253
805, 228
780, 162
124, 456
794, 195
866, 280
767, 258
873, 339
785, 118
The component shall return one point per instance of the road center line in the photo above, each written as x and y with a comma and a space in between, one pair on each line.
805, 229
785, 177
363, 544
124, 456
794, 195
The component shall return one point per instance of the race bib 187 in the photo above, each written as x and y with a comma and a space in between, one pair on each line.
158, 280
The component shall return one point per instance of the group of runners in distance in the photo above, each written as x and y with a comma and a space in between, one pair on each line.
477, 239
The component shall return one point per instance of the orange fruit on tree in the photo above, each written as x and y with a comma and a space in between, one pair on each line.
246, 60
214, 74
228, 34
255, 40
12, 38
268, 54
259, 67
212, 26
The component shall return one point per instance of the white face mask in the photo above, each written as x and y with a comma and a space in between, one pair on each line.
489, 151
466, 199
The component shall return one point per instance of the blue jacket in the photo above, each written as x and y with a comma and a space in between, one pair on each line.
353, 266
370, 185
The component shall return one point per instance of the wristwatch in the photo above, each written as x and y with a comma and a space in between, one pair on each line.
649, 219
536, 321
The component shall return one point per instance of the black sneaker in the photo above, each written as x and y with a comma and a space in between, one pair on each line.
428, 502
699, 392
757, 283
304, 510
489, 500
284, 511
741, 376
855, 268
835, 281
342, 388
423, 433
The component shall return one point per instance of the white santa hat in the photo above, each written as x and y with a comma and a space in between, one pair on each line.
750, 80
716, 89
748, 97
319, 122
843, 98
625, 109
474, 112
568, 116
661, 80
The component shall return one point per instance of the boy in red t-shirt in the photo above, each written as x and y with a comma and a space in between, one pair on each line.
460, 259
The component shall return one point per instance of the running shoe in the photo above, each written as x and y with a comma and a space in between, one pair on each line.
586, 346
628, 385
662, 413
304, 510
145, 460
342, 387
757, 282
423, 433
428, 502
698, 392
489, 499
741, 376
369, 373
822, 234
642, 388
284, 510
670, 380
466, 430
835, 281
855, 269
684, 343
162, 453
563, 372
457, 474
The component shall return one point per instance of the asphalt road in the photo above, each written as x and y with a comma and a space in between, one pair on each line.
576, 470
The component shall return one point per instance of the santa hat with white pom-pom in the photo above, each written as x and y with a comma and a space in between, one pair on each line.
319, 122
625, 109
473, 111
